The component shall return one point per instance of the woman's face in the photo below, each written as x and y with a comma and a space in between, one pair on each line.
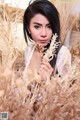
40, 29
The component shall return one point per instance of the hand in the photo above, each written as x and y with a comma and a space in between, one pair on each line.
46, 69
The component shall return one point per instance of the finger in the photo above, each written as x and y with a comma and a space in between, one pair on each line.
42, 73
47, 70
43, 67
47, 65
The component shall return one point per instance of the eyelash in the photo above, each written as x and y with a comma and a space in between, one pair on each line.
49, 26
36, 26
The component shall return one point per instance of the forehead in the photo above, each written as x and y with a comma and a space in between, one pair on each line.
39, 18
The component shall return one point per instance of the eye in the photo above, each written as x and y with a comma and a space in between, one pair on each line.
49, 26
36, 26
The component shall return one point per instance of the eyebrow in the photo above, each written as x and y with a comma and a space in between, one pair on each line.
40, 23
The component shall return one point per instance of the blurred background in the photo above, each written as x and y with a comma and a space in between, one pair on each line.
11, 25
11, 15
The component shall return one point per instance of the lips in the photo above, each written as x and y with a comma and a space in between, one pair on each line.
43, 41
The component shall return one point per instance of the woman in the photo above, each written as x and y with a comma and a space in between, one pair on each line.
40, 23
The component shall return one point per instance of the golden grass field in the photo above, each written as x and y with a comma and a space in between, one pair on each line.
24, 95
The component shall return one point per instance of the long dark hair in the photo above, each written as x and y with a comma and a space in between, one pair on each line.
47, 9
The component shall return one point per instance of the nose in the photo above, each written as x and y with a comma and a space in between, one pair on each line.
43, 33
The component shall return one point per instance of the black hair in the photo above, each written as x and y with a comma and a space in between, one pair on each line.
47, 9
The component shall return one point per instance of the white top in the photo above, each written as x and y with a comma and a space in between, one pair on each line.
63, 63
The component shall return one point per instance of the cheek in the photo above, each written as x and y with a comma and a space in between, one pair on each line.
32, 32
34, 36
50, 35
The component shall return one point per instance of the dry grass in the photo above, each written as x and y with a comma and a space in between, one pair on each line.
66, 19
24, 95
69, 21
